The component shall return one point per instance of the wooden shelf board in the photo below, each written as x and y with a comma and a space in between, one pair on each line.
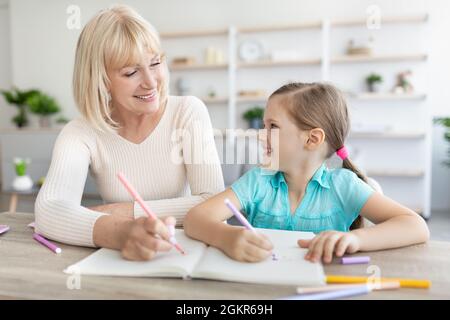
276, 28
386, 96
379, 58
386, 135
395, 173
198, 33
198, 67
259, 64
421, 18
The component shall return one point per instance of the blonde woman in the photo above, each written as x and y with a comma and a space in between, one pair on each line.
129, 124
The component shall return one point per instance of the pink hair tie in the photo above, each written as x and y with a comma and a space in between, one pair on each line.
342, 153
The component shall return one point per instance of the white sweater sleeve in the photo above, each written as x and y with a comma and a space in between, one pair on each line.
200, 158
59, 215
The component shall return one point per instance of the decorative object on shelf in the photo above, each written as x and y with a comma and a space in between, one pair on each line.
255, 117
360, 48
61, 120
183, 87
18, 98
252, 93
446, 123
22, 182
214, 56
211, 93
40, 182
374, 81
183, 61
250, 51
403, 84
44, 106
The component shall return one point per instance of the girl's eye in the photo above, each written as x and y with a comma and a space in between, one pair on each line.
155, 64
273, 126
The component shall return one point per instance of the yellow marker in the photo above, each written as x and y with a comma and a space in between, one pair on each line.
404, 283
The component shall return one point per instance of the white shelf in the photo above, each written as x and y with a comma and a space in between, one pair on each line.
388, 173
278, 28
386, 96
180, 67
251, 99
290, 63
421, 18
387, 135
190, 34
379, 58
215, 100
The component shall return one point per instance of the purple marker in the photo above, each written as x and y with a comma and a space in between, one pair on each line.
3, 228
331, 295
355, 260
242, 219
46, 243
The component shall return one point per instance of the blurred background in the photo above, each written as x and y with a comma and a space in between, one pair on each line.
391, 58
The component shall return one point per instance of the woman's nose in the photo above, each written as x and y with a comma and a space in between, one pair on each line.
149, 80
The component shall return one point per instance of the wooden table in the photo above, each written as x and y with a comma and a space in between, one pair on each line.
29, 270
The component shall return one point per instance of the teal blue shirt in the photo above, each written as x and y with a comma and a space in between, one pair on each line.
332, 201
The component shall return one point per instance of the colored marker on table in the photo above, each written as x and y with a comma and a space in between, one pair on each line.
46, 243
404, 283
147, 210
3, 228
242, 219
336, 294
382, 286
355, 260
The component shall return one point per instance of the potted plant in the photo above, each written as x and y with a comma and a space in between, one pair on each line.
254, 116
374, 81
44, 106
22, 182
18, 98
446, 123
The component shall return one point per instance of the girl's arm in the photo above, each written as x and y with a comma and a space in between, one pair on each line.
396, 226
205, 223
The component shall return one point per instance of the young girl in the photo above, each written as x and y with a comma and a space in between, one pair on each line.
311, 122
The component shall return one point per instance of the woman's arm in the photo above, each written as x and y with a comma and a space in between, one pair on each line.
60, 216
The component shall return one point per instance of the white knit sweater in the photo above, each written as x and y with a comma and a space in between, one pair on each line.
170, 175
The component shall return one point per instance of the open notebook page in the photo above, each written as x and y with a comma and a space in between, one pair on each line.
289, 268
107, 262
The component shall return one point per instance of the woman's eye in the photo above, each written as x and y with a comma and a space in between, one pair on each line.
130, 74
155, 64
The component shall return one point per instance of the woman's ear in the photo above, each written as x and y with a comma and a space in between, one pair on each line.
315, 138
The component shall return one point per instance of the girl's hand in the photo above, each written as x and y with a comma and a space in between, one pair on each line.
144, 237
247, 246
329, 242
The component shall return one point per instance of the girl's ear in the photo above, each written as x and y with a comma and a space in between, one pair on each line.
315, 138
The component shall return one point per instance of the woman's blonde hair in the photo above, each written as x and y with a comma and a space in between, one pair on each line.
321, 105
114, 38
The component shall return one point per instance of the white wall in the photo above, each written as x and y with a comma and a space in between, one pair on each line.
6, 111
42, 47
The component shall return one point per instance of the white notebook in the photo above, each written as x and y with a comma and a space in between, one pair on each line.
207, 262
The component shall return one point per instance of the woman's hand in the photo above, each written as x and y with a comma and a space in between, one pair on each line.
247, 246
329, 242
144, 237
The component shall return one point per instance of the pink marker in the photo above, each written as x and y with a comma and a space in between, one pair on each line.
147, 210
3, 228
46, 243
